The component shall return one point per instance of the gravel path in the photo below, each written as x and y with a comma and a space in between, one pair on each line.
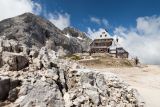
145, 79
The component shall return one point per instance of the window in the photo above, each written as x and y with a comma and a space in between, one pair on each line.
105, 35
100, 35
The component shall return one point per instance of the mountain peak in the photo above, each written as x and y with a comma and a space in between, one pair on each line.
34, 31
28, 14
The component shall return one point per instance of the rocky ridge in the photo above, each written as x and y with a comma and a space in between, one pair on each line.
36, 32
76, 35
32, 77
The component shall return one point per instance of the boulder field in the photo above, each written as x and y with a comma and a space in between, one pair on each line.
31, 77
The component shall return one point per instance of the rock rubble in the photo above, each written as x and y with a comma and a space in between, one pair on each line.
38, 78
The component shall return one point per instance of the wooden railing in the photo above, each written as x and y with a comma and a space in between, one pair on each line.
99, 47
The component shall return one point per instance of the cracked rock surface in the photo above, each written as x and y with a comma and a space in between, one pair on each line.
41, 79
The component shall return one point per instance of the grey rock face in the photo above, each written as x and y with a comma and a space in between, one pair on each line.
34, 31
78, 36
13, 94
4, 89
99, 90
1, 61
47, 57
7, 88
15, 61
74, 32
43, 94
11, 46
65, 84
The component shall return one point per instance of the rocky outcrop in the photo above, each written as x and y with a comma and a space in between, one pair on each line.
74, 32
91, 88
5, 87
43, 94
34, 31
78, 36
59, 87
15, 61
8, 88
60, 83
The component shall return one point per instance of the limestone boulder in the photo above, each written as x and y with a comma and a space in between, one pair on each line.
4, 89
1, 61
47, 57
15, 61
13, 94
42, 95
7, 88
11, 46
93, 88
34, 53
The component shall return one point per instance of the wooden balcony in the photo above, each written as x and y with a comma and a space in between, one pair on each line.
99, 47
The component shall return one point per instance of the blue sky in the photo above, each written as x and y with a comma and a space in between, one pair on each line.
116, 12
135, 22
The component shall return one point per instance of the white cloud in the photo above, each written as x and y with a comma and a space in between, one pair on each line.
60, 20
149, 25
143, 40
11, 8
105, 22
100, 21
95, 20
92, 33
